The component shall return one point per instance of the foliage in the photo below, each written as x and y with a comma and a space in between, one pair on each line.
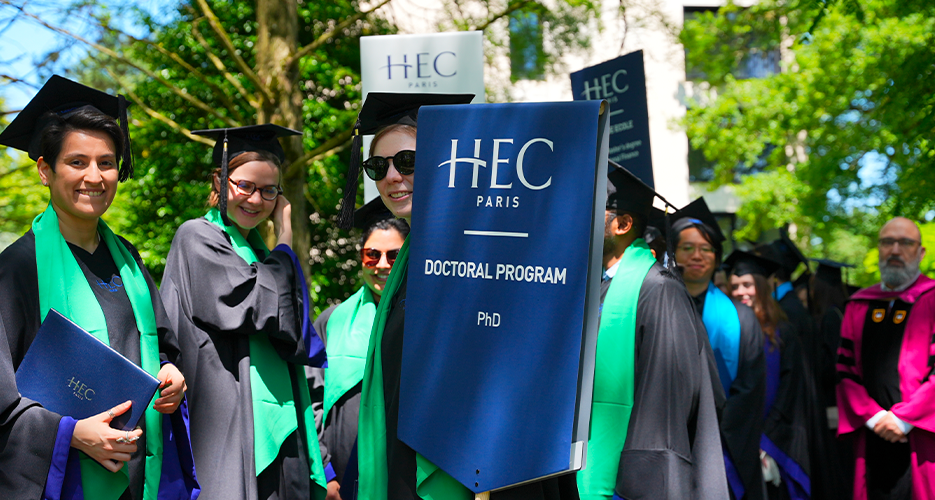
851, 113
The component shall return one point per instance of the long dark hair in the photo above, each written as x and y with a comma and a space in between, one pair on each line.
767, 309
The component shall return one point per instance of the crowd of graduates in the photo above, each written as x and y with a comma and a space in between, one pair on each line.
739, 376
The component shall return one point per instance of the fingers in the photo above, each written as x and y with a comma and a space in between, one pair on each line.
110, 464
120, 409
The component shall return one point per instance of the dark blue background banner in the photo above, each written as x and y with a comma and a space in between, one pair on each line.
622, 82
497, 310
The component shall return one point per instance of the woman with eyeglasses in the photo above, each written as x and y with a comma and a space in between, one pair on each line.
345, 328
71, 261
793, 454
388, 468
241, 312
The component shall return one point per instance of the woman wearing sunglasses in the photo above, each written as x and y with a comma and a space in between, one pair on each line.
241, 312
345, 328
388, 468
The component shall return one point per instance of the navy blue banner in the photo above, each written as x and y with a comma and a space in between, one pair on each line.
622, 83
503, 289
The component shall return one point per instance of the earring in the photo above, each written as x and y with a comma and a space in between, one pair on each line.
44, 183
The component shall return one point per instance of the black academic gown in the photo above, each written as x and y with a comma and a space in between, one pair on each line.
339, 432
801, 324
28, 432
795, 425
673, 447
401, 459
740, 427
215, 301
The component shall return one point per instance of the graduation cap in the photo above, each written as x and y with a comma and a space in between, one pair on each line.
785, 252
231, 142
371, 213
697, 213
63, 97
380, 110
628, 193
829, 271
802, 280
743, 263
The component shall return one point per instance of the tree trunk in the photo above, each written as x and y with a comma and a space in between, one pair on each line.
277, 41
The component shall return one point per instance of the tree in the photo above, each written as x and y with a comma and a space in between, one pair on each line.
845, 128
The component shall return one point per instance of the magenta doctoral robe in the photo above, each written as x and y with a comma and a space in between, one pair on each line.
916, 382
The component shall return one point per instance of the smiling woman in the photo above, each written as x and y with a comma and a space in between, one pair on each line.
71, 261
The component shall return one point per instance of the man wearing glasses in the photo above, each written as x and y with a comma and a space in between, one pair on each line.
886, 393
737, 342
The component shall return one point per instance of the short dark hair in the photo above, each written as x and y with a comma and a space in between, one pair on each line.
86, 118
639, 222
400, 225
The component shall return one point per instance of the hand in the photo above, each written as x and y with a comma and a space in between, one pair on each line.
95, 437
333, 491
888, 429
282, 221
172, 389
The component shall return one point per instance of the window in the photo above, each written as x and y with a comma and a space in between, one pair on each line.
527, 60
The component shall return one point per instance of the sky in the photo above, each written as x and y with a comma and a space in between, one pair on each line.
24, 42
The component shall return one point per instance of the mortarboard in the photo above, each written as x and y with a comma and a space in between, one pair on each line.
742, 263
829, 271
231, 142
371, 213
380, 110
785, 252
63, 97
803, 280
627, 193
697, 213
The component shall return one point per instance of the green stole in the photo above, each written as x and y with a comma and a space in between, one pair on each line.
614, 369
274, 410
64, 287
431, 482
348, 336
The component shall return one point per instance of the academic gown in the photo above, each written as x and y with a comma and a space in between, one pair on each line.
28, 432
401, 459
739, 423
793, 434
673, 447
885, 362
339, 430
215, 301
801, 324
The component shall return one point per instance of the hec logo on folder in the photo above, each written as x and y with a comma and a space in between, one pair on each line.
81, 391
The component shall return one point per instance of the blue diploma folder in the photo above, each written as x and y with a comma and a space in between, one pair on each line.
70, 372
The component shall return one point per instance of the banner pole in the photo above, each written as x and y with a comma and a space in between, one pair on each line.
482, 496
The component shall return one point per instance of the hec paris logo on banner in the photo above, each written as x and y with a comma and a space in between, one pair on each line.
440, 63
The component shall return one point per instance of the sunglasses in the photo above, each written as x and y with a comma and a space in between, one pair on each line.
377, 166
370, 257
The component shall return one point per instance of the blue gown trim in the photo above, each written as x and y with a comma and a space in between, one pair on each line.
723, 326
317, 357
782, 290
796, 480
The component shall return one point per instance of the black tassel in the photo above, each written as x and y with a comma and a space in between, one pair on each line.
346, 217
222, 194
126, 165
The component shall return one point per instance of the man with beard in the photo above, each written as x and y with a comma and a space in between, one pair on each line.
654, 427
885, 393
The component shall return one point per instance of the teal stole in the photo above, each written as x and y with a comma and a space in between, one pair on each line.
431, 482
614, 370
348, 330
275, 415
64, 287
723, 326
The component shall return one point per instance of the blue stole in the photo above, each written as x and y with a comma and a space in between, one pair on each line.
723, 326
782, 290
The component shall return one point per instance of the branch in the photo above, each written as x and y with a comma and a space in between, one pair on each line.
157, 115
10, 112
215, 24
328, 35
334, 145
104, 50
13, 79
219, 64
513, 7
225, 99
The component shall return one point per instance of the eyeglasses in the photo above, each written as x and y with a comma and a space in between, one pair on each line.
370, 257
377, 166
689, 249
903, 242
246, 188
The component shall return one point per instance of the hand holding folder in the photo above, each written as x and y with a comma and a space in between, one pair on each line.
108, 446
